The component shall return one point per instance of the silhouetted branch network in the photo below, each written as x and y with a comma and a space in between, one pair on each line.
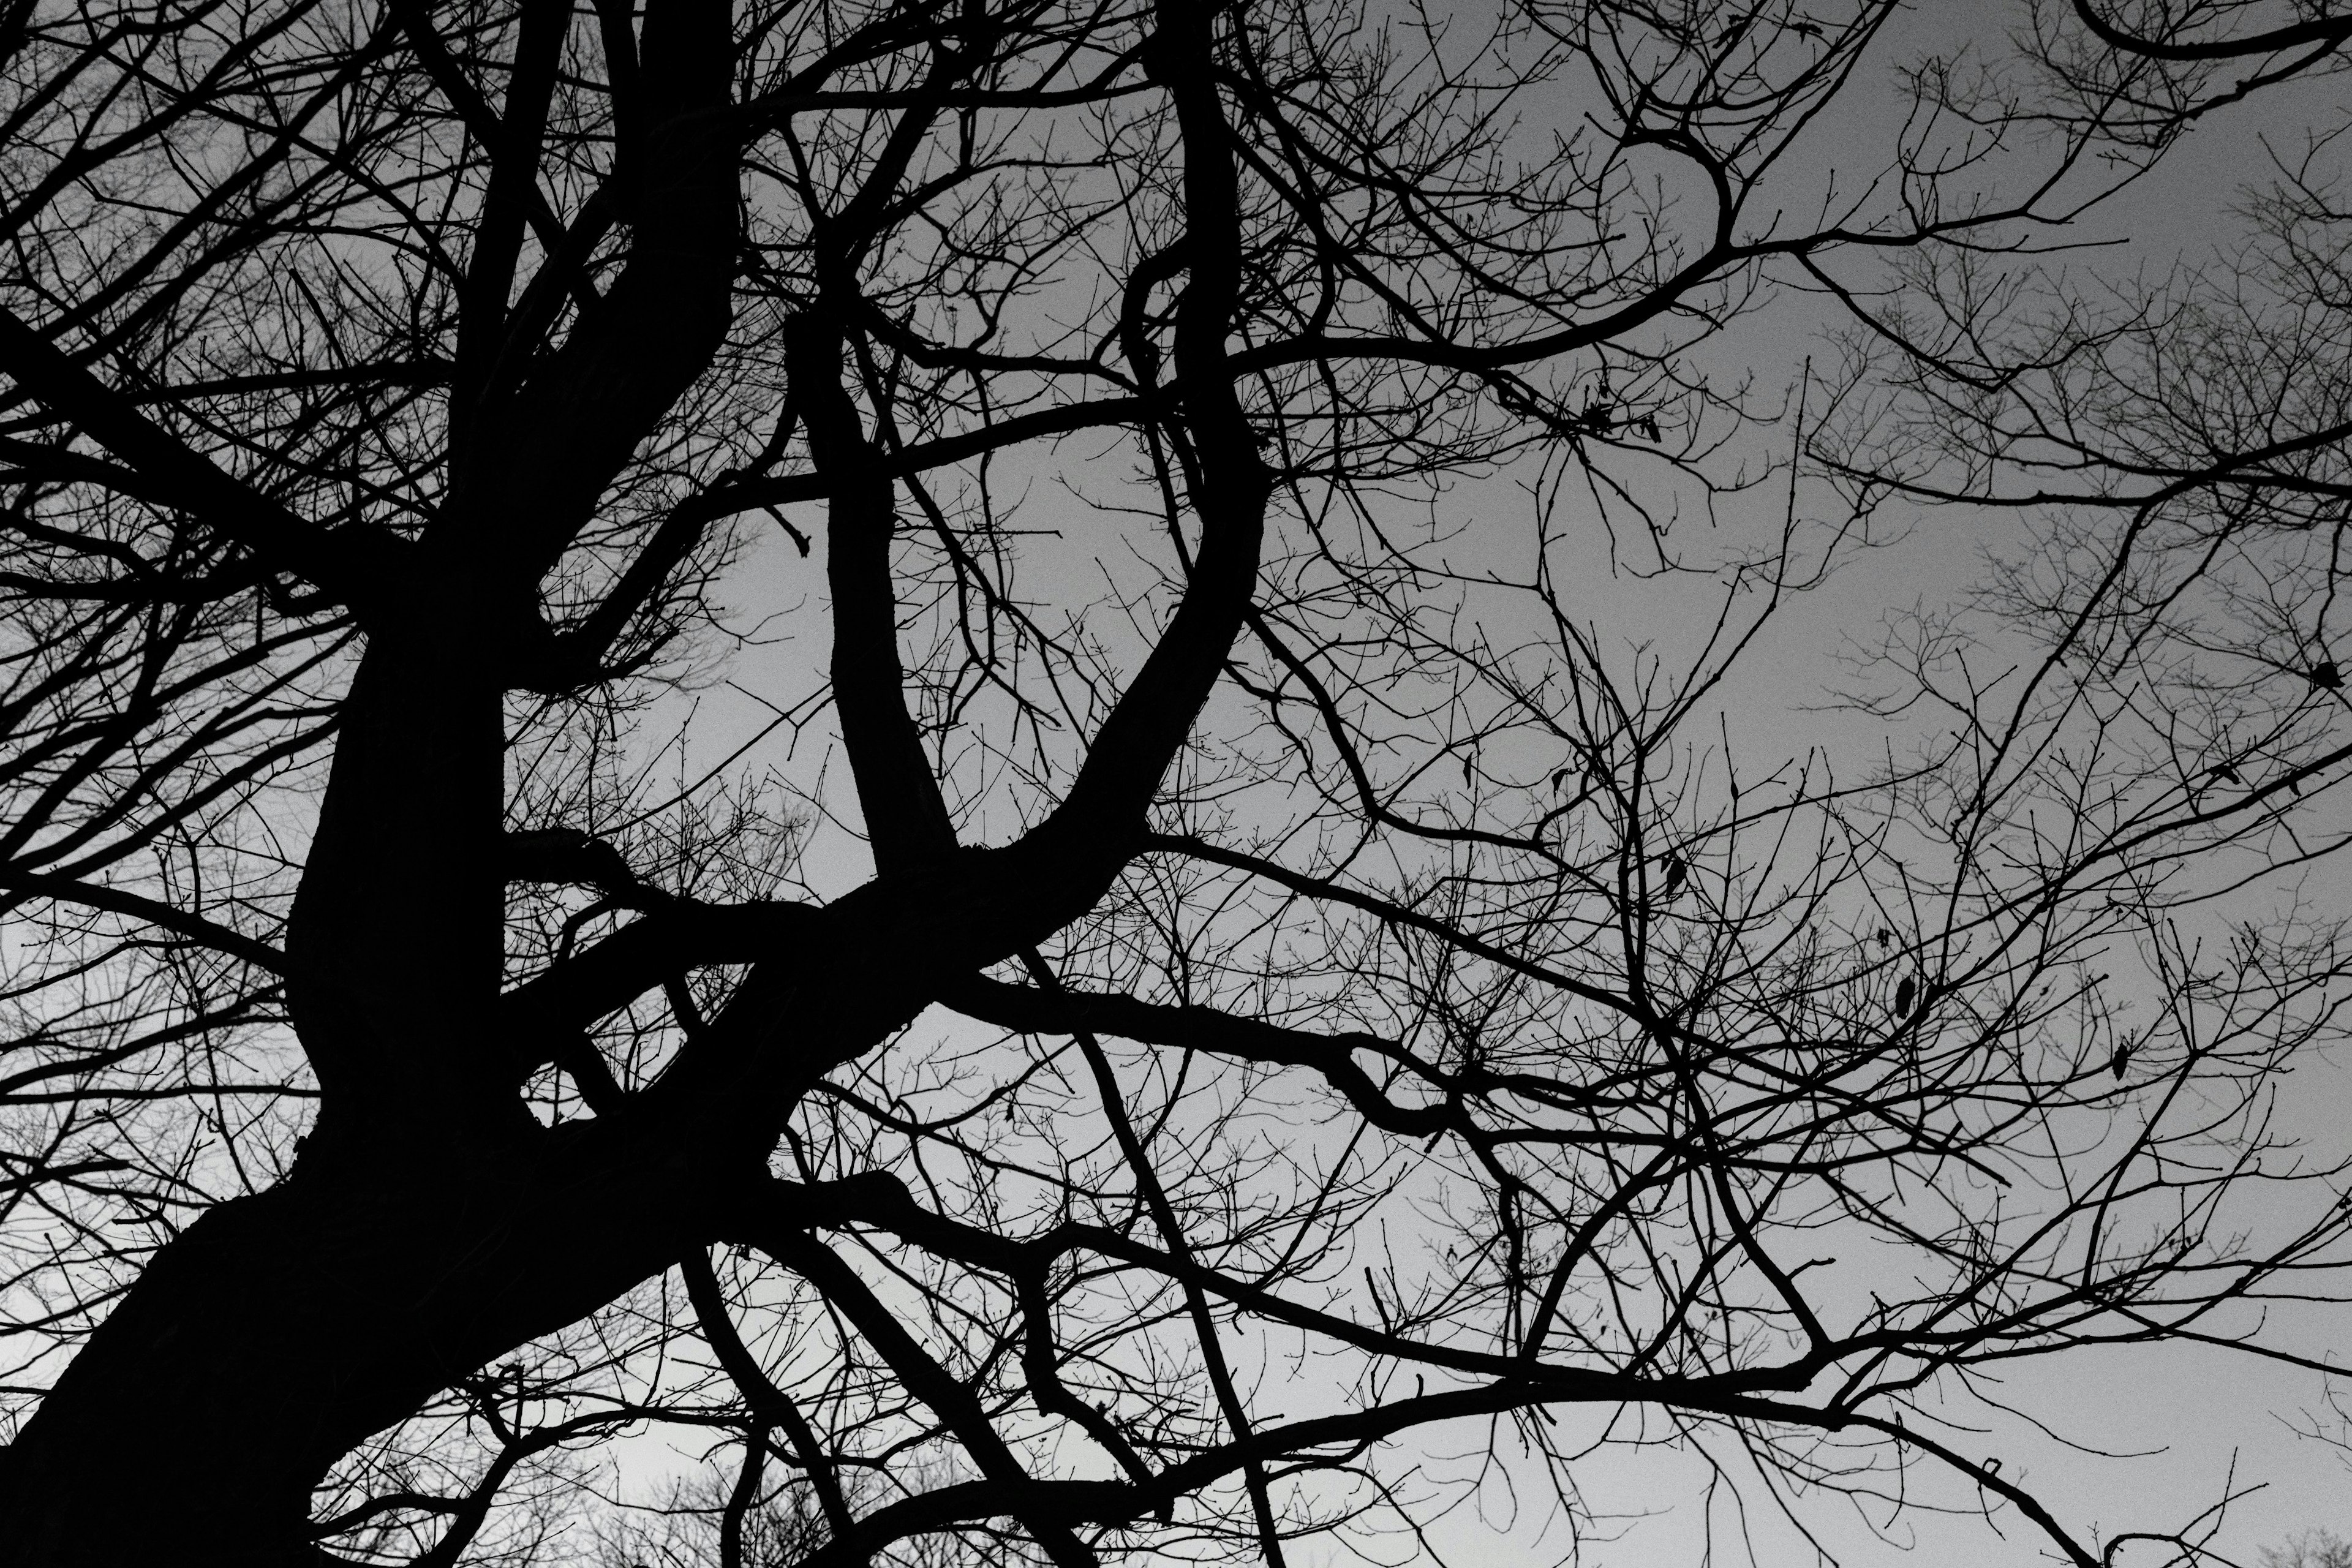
1209, 916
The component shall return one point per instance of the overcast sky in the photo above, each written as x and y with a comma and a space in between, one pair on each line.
2188, 1414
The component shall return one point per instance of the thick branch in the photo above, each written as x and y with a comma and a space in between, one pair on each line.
2326, 30
1038, 1011
906, 817
957, 1406
355, 564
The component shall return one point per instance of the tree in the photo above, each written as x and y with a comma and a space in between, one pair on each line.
2312, 1549
1270, 915
2183, 443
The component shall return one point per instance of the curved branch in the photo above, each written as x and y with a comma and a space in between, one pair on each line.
2331, 31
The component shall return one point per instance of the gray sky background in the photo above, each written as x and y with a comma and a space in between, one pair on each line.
2187, 1415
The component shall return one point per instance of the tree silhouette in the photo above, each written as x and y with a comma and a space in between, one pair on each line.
2312, 1549
1283, 982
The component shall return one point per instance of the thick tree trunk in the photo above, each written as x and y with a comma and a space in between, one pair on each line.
283, 1330
432, 1226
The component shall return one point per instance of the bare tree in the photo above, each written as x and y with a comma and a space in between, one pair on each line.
2312, 1549
2180, 445
1279, 926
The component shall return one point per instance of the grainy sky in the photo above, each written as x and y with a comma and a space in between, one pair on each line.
2189, 1414
2185, 1416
